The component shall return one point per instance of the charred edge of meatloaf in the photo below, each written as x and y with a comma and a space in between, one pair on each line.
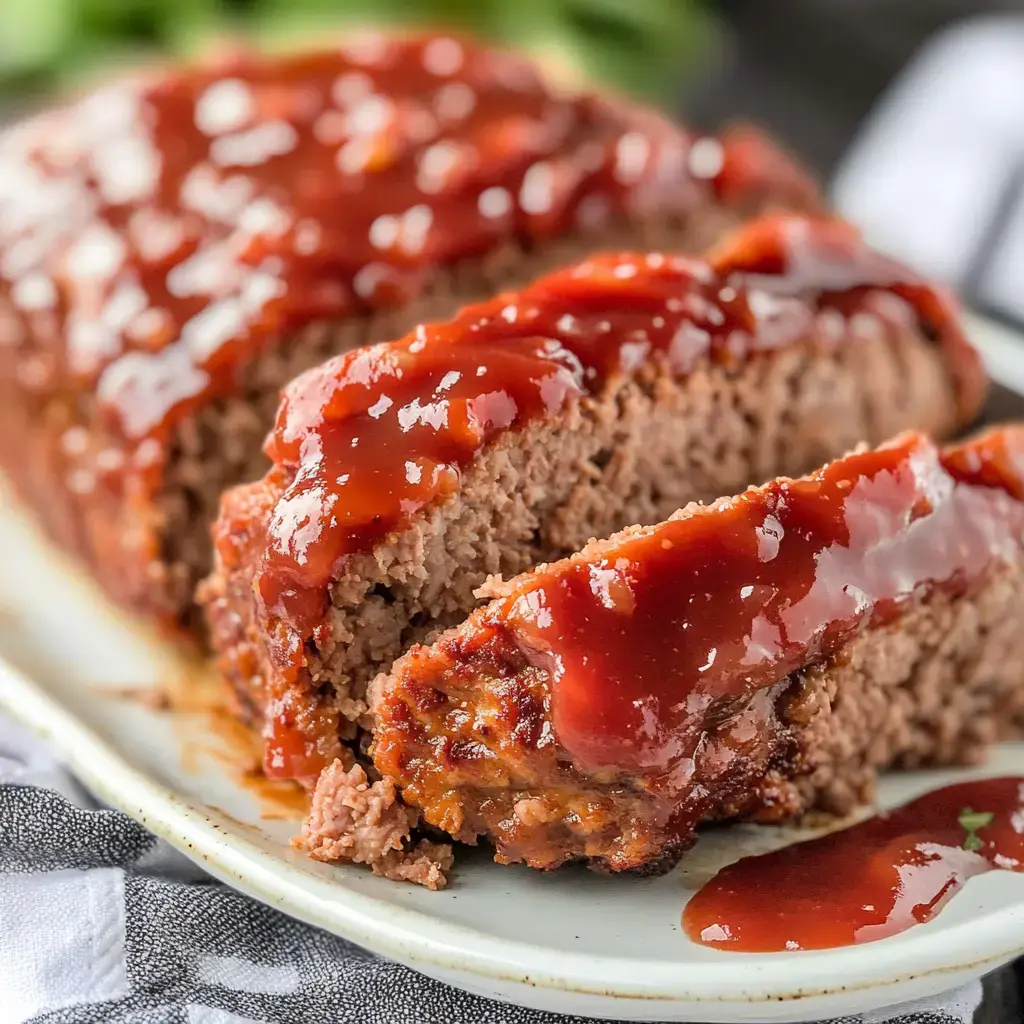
636, 455
938, 686
222, 445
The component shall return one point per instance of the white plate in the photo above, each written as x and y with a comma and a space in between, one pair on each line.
570, 942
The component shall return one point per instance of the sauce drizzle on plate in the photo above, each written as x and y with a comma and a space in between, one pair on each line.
875, 879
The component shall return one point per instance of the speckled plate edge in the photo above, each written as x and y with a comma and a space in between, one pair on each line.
765, 987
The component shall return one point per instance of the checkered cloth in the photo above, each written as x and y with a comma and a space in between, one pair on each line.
102, 922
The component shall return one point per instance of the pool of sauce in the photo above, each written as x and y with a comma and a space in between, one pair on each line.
876, 879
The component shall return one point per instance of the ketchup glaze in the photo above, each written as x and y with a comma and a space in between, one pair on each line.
647, 639
864, 883
155, 234
376, 434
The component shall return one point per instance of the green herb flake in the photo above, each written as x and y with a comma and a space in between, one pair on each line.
972, 822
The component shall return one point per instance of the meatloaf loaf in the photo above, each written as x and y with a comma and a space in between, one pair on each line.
606, 394
174, 248
749, 658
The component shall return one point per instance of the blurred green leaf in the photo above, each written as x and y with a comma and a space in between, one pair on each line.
642, 45
33, 34
636, 45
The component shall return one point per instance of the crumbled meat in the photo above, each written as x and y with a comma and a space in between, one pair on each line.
424, 864
354, 819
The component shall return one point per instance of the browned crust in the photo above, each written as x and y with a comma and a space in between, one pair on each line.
469, 749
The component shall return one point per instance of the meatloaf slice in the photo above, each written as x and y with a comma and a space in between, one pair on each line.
609, 393
749, 658
175, 248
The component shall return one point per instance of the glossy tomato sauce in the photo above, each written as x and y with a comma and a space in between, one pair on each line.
157, 233
375, 435
864, 883
645, 641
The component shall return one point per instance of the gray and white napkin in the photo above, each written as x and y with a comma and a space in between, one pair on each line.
102, 922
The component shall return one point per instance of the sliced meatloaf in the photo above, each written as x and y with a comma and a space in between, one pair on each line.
176, 247
608, 393
750, 658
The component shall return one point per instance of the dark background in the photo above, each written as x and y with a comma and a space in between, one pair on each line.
812, 69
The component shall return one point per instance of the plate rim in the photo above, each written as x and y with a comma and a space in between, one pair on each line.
388, 930
417, 938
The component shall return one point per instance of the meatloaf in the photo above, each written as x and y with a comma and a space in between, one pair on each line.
608, 393
177, 246
750, 658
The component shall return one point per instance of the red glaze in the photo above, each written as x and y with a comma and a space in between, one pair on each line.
730, 598
864, 883
823, 262
993, 459
154, 235
378, 433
